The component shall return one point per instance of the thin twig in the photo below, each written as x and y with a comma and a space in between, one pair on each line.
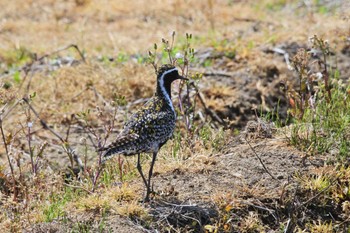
319, 193
10, 110
66, 146
42, 122
345, 221
62, 49
30, 78
6, 148
176, 205
215, 73
88, 133
262, 163
9, 160
284, 53
78, 187
80, 93
27, 67
99, 97
289, 226
212, 114
272, 212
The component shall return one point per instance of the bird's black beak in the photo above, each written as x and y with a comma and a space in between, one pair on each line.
182, 78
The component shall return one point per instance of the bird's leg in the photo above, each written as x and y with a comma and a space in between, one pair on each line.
139, 168
150, 174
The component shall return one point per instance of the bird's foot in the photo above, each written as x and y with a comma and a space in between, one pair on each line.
149, 197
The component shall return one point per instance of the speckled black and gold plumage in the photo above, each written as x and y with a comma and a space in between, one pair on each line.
151, 127
146, 131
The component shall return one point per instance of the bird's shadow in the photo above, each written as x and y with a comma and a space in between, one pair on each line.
171, 213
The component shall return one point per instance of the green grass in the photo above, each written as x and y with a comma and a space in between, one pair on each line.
57, 201
325, 127
321, 111
276, 5
212, 138
114, 171
17, 57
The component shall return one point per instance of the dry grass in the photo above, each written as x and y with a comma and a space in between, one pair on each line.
104, 28
116, 200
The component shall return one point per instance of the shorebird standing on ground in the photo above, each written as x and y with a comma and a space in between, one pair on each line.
150, 127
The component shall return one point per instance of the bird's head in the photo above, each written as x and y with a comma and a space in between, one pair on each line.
165, 76
168, 73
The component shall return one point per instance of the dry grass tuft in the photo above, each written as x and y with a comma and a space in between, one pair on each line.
258, 129
251, 223
123, 200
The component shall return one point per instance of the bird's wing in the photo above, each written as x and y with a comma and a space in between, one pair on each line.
143, 129
124, 139
139, 117
128, 133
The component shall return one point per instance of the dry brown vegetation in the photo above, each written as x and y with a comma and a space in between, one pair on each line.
233, 171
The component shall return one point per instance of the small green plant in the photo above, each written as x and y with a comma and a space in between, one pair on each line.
276, 5
93, 174
208, 63
18, 57
212, 138
122, 57
54, 210
81, 227
320, 104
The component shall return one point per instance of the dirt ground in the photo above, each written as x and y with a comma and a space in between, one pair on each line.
242, 48
236, 176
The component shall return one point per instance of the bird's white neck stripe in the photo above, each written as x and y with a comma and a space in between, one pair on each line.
162, 88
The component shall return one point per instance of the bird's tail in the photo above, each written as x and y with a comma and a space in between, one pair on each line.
123, 145
108, 153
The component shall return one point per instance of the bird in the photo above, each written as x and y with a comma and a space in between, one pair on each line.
149, 128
